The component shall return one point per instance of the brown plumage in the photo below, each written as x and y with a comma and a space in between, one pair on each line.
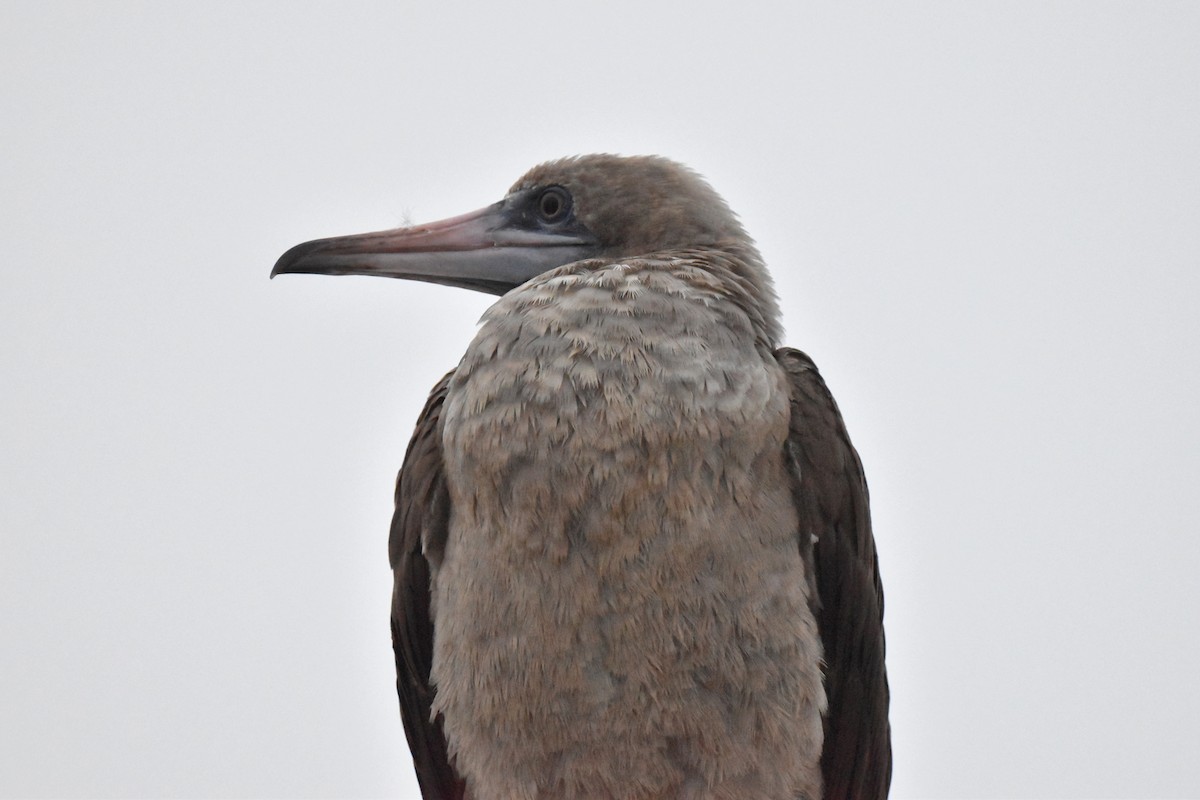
632, 546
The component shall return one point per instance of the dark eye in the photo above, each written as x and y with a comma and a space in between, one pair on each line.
554, 204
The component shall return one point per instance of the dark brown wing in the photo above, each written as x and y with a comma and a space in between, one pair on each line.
419, 530
831, 495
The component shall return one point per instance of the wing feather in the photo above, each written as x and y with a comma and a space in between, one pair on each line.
835, 521
419, 529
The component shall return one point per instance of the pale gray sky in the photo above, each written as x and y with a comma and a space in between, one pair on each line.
984, 223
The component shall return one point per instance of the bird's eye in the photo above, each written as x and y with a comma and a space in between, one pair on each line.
554, 204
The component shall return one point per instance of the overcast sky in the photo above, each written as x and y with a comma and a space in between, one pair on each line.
984, 224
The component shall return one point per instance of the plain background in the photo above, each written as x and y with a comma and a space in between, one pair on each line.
984, 223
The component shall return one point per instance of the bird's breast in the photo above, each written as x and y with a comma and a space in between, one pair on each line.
622, 601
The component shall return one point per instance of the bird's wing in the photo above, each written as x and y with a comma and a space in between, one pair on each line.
835, 522
419, 529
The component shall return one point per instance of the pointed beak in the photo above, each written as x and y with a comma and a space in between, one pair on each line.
491, 250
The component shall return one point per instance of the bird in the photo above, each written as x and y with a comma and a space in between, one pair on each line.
632, 547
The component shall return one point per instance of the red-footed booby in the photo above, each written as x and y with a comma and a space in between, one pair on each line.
632, 547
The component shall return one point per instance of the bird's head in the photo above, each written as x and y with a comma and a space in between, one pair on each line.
595, 206
634, 206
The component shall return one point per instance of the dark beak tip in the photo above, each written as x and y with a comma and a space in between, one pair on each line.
289, 260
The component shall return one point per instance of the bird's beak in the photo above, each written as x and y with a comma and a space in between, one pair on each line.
491, 250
